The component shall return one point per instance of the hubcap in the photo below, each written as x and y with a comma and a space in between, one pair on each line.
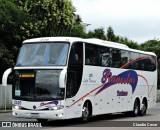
136, 109
85, 113
143, 108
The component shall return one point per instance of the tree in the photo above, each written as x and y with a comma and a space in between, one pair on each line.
97, 33
90, 34
6, 58
110, 34
52, 17
128, 42
77, 31
78, 19
152, 45
11, 19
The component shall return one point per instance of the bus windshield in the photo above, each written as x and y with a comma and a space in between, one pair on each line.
43, 54
37, 85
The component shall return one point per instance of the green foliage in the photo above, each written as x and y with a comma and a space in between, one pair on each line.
77, 31
152, 45
97, 33
6, 59
110, 36
128, 42
11, 18
78, 19
51, 17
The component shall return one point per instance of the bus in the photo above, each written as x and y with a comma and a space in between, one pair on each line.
58, 78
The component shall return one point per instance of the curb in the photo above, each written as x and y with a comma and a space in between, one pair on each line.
5, 111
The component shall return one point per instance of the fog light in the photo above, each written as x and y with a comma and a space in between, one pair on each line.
60, 115
14, 114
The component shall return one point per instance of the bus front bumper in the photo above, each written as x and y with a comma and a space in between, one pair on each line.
47, 114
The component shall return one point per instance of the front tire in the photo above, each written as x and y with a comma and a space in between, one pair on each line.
86, 113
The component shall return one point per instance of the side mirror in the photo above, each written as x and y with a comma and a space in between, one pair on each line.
5, 76
62, 78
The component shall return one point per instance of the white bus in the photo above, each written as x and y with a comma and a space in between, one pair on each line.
63, 77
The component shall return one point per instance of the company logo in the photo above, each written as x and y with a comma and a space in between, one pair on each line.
127, 77
34, 107
47, 103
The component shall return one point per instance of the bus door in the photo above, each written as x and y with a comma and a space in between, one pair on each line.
74, 78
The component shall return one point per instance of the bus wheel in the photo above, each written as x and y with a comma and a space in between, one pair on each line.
143, 109
135, 111
86, 112
42, 120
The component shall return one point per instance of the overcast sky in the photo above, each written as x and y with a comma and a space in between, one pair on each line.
138, 20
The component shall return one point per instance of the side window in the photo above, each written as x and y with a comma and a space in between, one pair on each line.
147, 63
125, 56
134, 64
76, 54
143, 63
91, 57
154, 62
116, 58
151, 65
104, 57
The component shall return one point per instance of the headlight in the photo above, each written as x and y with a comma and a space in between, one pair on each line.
16, 107
56, 107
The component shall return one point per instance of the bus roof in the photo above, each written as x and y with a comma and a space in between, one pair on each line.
90, 40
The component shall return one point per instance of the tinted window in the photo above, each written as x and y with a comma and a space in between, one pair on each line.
104, 56
133, 64
76, 54
91, 57
116, 58
37, 85
147, 63
75, 69
125, 57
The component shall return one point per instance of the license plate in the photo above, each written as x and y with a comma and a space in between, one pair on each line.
34, 114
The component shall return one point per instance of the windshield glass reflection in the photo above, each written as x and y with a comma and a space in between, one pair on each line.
43, 54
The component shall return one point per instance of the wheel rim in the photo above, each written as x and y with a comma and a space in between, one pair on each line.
85, 113
143, 108
136, 110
